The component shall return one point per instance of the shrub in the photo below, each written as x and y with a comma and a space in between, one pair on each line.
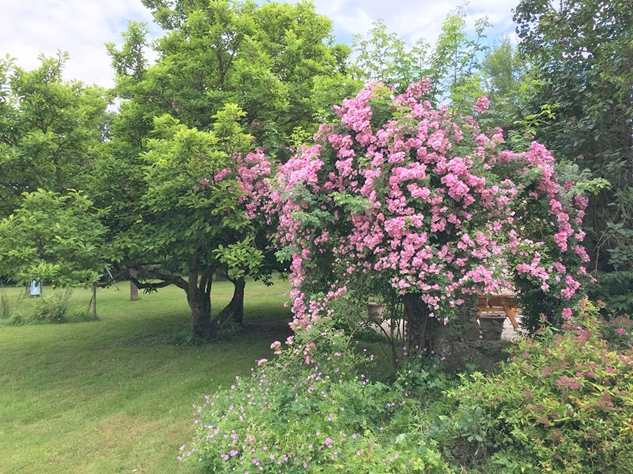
52, 309
618, 331
562, 403
424, 207
309, 410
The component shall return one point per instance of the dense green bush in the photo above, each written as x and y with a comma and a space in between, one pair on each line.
53, 308
310, 410
562, 403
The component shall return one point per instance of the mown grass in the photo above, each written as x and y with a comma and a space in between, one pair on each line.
116, 395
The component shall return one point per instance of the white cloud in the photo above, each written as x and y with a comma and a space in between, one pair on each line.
81, 27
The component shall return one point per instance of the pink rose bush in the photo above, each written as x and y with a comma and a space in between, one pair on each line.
400, 198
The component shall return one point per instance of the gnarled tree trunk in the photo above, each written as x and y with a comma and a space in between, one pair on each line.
198, 290
420, 327
235, 309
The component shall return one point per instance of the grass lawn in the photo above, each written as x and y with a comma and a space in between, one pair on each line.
116, 395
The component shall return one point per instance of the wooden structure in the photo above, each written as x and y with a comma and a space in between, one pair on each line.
499, 304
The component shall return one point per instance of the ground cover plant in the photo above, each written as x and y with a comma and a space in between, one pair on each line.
312, 409
114, 395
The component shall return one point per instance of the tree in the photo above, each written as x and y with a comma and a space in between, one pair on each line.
455, 61
414, 205
197, 213
453, 65
581, 50
50, 130
505, 82
278, 64
383, 56
53, 237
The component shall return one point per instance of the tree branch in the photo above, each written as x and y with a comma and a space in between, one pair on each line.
156, 275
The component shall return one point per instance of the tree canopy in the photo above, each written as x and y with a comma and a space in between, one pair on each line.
583, 62
50, 130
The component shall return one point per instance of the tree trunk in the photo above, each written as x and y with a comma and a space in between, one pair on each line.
200, 317
199, 299
420, 327
133, 287
94, 300
235, 309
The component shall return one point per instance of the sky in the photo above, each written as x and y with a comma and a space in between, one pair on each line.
29, 28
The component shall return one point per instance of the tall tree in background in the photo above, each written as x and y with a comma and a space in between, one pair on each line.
382, 56
50, 130
453, 64
277, 62
583, 58
233, 80
506, 81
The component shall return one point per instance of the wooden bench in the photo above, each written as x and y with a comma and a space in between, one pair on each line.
499, 304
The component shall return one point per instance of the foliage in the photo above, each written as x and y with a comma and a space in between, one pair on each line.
382, 56
56, 238
456, 61
582, 57
49, 130
309, 410
277, 61
422, 373
561, 404
453, 65
617, 330
420, 205
53, 308
507, 82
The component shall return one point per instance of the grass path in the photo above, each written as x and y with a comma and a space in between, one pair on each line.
116, 395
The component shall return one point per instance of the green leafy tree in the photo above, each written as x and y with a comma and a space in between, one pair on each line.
53, 237
383, 56
506, 82
453, 65
581, 50
278, 63
50, 130
455, 62
195, 215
